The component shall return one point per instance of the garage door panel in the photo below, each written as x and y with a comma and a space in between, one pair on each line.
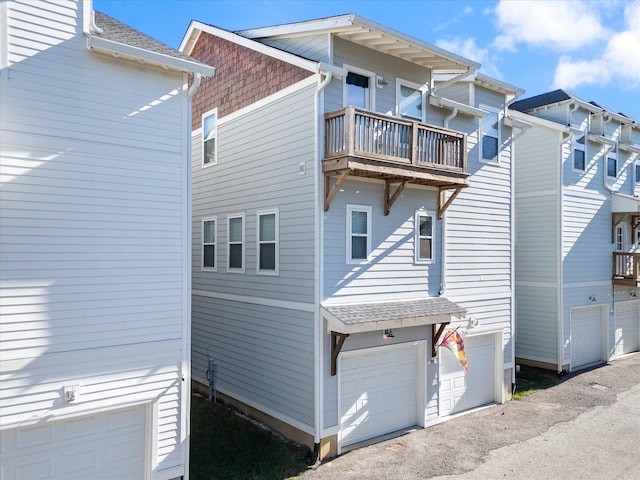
461, 391
79, 448
378, 392
587, 336
627, 336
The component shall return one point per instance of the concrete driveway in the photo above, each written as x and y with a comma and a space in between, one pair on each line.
586, 427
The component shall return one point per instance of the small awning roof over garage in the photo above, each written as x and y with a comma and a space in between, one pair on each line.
370, 316
625, 203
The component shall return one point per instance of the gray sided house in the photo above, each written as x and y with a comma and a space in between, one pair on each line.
351, 204
578, 233
95, 235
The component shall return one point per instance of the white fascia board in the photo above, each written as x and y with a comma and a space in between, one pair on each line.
498, 85
319, 25
188, 42
509, 121
532, 119
630, 147
117, 50
601, 139
442, 102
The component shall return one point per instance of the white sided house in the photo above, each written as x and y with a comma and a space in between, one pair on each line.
578, 233
94, 247
351, 203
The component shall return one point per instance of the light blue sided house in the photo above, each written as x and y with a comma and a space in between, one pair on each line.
578, 233
351, 204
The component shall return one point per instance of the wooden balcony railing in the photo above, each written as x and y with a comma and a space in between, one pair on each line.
626, 268
356, 133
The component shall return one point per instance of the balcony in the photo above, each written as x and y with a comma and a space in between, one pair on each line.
366, 144
626, 269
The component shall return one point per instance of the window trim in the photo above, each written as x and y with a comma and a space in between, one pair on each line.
276, 242
243, 242
416, 228
613, 156
619, 243
371, 99
349, 229
498, 112
213, 112
405, 83
203, 268
636, 173
579, 147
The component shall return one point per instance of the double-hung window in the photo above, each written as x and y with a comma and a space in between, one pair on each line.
423, 237
490, 134
235, 243
209, 251
209, 138
358, 233
268, 242
579, 162
612, 163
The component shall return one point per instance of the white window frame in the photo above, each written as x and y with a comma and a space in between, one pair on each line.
612, 155
405, 83
619, 243
215, 244
636, 173
498, 112
579, 147
276, 242
417, 237
371, 99
229, 243
358, 208
213, 136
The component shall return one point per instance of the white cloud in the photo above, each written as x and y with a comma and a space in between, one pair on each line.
559, 25
619, 60
468, 49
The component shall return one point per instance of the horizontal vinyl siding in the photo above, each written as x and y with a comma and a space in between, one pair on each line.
262, 354
258, 168
92, 246
537, 162
537, 323
391, 271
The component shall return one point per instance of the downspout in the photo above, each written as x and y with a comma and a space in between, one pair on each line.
443, 223
93, 28
450, 117
197, 79
560, 270
318, 341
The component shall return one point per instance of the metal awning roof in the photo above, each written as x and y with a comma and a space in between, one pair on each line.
370, 316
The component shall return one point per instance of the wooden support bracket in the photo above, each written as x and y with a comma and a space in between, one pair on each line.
442, 204
329, 192
435, 337
337, 340
390, 200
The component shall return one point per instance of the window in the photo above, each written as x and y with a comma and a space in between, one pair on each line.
268, 242
209, 134
359, 233
424, 237
490, 135
357, 88
637, 172
612, 163
579, 153
209, 252
619, 237
409, 101
235, 252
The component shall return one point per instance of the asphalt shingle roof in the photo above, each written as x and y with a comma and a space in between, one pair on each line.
536, 101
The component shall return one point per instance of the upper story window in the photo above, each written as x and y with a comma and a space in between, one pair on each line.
268, 242
424, 237
409, 100
490, 134
209, 140
358, 88
612, 163
637, 172
619, 238
579, 162
235, 243
209, 251
359, 233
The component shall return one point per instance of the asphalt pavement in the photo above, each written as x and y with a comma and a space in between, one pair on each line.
585, 427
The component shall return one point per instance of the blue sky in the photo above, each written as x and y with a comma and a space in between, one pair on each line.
589, 48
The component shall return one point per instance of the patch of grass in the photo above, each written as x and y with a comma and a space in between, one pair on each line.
225, 445
530, 379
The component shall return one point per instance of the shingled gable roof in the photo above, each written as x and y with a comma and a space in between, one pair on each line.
370, 316
120, 39
367, 33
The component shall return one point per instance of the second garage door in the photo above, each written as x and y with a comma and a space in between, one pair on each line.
378, 392
460, 391
627, 327
587, 336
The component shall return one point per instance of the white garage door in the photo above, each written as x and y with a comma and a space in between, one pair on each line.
587, 336
104, 446
460, 391
627, 327
378, 392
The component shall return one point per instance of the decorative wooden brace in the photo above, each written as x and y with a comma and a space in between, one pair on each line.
329, 192
435, 337
442, 205
389, 200
337, 340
